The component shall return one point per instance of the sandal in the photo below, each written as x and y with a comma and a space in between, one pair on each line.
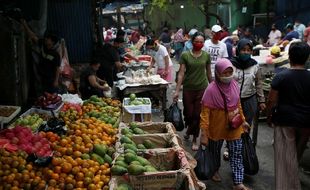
241, 187
216, 177
195, 146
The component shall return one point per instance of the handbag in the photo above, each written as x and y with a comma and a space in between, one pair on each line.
174, 115
250, 160
206, 163
235, 120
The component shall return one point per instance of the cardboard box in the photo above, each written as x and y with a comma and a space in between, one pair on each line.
151, 127
174, 175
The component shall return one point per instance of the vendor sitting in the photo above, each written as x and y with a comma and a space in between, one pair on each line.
90, 84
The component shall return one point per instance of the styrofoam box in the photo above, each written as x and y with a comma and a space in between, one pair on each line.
133, 109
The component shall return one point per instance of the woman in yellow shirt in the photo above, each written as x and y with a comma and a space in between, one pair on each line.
222, 119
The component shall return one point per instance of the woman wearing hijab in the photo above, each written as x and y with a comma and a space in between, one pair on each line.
249, 77
221, 103
178, 43
194, 74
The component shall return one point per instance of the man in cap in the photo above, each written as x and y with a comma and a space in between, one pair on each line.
290, 35
188, 44
215, 47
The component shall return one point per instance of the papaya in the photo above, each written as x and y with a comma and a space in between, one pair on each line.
143, 161
107, 159
129, 157
129, 135
131, 151
111, 151
121, 163
130, 146
135, 169
118, 170
120, 158
85, 156
97, 158
125, 131
138, 131
135, 162
133, 125
124, 187
148, 144
149, 168
100, 149
125, 139
141, 146
94, 98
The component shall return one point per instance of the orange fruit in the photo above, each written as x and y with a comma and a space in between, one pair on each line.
66, 167
52, 182
79, 176
56, 161
55, 176
75, 170
79, 184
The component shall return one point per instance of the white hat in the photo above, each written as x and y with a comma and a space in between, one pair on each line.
192, 32
216, 28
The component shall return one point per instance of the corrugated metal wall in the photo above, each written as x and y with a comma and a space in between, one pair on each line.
71, 19
287, 11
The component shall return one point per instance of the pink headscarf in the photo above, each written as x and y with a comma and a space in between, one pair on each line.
212, 97
178, 37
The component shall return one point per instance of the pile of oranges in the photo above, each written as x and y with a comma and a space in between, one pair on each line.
68, 173
16, 173
83, 134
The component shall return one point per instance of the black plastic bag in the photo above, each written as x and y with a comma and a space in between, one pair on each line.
174, 115
54, 125
206, 163
250, 160
40, 161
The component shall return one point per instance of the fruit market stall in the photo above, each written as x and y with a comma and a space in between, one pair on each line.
83, 145
138, 78
72, 150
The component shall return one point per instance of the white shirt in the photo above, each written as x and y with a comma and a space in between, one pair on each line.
274, 37
300, 29
160, 55
216, 51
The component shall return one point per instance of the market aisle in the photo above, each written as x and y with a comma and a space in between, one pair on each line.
264, 180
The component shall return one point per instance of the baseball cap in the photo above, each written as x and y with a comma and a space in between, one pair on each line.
216, 28
289, 25
192, 32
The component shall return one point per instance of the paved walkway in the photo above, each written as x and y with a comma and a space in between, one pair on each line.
264, 180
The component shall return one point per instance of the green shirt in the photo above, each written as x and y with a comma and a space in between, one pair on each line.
195, 77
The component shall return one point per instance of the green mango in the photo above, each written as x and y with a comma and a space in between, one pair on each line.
100, 149
149, 168
97, 158
141, 146
148, 144
108, 159
143, 161
121, 163
118, 170
138, 131
135, 169
129, 157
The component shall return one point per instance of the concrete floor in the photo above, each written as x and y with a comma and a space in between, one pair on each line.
264, 180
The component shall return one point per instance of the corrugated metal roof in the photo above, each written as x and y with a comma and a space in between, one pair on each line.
72, 21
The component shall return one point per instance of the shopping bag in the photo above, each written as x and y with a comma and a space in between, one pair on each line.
250, 160
174, 115
206, 163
